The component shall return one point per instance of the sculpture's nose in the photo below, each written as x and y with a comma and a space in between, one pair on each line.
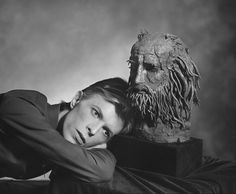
136, 88
140, 76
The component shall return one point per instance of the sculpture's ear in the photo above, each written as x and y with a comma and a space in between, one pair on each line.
76, 99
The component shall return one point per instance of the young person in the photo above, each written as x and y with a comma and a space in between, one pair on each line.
36, 137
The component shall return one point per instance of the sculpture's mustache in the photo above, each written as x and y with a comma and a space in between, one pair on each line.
137, 88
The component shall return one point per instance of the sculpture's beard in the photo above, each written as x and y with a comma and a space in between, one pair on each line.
144, 100
160, 105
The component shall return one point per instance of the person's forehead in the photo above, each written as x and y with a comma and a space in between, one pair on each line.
101, 99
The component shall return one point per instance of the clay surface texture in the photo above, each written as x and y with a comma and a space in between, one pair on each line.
163, 86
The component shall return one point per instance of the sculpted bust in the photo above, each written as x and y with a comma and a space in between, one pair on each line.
163, 86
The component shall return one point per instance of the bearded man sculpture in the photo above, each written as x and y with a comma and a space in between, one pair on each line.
163, 86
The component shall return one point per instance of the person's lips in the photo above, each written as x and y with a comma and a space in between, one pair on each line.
81, 136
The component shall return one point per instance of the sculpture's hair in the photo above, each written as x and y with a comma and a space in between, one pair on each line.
172, 101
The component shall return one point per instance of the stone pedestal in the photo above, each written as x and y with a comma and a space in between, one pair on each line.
175, 159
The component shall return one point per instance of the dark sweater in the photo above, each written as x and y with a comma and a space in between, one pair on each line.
30, 144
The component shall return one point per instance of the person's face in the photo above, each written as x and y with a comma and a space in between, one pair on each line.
92, 121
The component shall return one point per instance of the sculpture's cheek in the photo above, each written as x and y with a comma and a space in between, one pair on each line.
156, 79
153, 77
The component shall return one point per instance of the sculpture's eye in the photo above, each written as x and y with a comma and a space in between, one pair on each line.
149, 67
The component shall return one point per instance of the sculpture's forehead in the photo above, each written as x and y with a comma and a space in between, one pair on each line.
152, 48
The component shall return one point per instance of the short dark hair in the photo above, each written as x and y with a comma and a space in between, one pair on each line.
114, 90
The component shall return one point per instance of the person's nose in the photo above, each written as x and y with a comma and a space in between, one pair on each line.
93, 128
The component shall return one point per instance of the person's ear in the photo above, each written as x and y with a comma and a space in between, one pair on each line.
78, 96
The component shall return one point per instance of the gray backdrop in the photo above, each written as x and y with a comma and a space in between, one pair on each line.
59, 47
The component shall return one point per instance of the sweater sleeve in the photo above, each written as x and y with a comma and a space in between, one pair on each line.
24, 121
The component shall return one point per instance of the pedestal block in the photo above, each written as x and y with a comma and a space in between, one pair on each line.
175, 159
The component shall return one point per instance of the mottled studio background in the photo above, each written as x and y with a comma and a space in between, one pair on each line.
59, 47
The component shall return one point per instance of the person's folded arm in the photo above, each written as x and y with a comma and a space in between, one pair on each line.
25, 121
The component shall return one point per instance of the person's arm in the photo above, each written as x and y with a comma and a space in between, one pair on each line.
25, 121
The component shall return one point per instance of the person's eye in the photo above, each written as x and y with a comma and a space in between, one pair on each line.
106, 133
95, 113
